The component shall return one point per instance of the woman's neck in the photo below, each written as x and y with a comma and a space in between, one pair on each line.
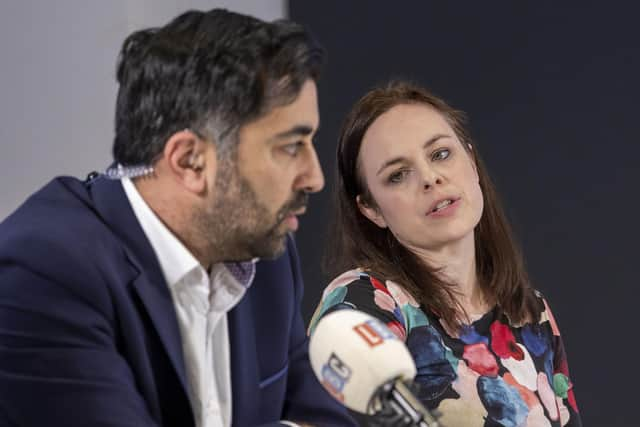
456, 264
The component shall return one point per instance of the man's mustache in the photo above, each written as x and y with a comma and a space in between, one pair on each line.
298, 202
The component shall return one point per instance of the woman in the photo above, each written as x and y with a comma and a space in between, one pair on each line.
419, 220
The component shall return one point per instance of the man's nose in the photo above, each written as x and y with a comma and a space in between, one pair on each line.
312, 179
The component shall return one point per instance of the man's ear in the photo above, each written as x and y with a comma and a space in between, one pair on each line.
185, 155
372, 213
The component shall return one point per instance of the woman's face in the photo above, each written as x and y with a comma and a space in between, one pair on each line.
423, 181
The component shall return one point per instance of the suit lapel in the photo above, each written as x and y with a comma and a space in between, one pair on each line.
244, 364
113, 206
159, 305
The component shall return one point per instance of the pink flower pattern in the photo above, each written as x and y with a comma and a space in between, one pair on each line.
480, 359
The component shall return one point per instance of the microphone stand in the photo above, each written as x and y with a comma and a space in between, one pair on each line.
394, 404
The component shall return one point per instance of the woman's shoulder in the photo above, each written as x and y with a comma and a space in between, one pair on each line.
546, 315
371, 293
370, 281
356, 275
542, 316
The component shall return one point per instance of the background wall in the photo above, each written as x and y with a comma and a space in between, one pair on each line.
552, 92
57, 84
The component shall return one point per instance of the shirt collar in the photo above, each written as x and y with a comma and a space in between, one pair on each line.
242, 272
175, 259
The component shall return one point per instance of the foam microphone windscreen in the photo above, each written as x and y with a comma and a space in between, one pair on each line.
353, 354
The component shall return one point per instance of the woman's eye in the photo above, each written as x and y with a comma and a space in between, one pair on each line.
440, 154
397, 177
293, 149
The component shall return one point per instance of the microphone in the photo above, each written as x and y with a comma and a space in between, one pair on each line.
361, 363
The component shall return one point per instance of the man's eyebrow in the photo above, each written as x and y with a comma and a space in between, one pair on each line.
400, 159
299, 130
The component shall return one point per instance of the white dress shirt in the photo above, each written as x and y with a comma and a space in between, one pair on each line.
202, 302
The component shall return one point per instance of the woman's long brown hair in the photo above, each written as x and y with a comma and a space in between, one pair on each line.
358, 242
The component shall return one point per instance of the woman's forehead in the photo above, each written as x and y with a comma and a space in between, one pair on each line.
403, 126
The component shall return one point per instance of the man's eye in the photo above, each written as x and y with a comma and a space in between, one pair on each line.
441, 154
293, 149
398, 176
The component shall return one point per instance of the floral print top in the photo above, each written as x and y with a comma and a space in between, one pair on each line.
492, 374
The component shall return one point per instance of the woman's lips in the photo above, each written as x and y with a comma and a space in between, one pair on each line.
446, 211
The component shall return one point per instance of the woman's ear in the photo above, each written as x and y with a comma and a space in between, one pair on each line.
186, 158
372, 213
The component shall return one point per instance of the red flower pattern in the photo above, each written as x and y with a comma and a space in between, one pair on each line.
503, 343
379, 286
480, 359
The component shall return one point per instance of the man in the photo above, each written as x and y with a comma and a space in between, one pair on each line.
134, 298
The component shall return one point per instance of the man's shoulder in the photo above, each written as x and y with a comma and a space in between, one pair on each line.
57, 221
61, 194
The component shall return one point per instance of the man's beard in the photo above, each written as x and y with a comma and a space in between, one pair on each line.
237, 226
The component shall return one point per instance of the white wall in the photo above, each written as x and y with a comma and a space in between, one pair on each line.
57, 82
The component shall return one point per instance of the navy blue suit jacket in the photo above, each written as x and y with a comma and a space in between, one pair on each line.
88, 331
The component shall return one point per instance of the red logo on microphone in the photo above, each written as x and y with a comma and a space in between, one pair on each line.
374, 332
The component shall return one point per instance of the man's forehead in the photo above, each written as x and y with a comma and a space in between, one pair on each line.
299, 117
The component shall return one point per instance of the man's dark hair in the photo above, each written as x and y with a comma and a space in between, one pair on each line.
210, 72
